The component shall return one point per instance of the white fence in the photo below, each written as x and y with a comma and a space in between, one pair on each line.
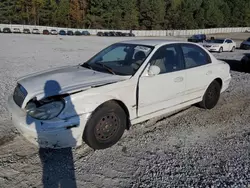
139, 32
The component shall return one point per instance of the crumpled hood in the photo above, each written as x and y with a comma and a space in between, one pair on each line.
64, 80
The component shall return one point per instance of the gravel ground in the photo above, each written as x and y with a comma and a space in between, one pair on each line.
193, 148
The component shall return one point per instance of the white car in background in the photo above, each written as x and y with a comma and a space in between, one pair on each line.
35, 31
16, 30
220, 45
53, 32
126, 83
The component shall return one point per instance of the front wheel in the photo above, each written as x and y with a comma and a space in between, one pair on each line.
220, 50
233, 49
106, 126
211, 96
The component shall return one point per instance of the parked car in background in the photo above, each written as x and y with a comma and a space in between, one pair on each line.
7, 30
16, 30
107, 34
118, 34
45, 32
85, 33
53, 32
100, 34
125, 34
26, 31
126, 83
78, 33
197, 38
220, 45
62, 32
245, 45
245, 61
112, 33
35, 31
70, 33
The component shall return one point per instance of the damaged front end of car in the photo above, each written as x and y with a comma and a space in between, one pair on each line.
50, 122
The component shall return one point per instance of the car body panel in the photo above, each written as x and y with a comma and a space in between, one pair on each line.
153, 98
143, 96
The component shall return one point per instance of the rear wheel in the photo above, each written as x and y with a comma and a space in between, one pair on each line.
106, 126
211, 96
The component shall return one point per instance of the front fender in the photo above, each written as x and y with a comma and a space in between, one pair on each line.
78, 104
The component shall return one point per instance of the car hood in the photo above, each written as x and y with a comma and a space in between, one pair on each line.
65, 80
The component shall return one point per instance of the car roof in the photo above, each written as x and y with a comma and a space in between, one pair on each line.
151, 42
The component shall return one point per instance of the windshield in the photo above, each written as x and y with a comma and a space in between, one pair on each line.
119, 59
248, 40
218, 41
195, 37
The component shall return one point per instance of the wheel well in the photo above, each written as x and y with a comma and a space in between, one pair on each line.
123, 106
219, 80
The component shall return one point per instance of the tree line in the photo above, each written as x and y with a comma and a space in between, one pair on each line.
127, 14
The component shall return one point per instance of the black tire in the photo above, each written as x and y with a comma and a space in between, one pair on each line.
220, 50
106, 126
233, 49
245, 66
211, 96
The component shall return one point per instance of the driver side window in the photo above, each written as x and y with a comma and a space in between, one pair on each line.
168, 58
117, 54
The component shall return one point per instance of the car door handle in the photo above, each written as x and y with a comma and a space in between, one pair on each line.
209, 72
178, 79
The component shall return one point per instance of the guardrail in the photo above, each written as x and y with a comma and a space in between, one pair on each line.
141, 33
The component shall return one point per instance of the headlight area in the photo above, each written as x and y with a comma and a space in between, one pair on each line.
45, 109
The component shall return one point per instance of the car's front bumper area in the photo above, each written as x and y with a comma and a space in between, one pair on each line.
213, 49
245, 46
48, 134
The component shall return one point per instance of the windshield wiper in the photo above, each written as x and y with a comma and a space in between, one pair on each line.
86, 65
106, 67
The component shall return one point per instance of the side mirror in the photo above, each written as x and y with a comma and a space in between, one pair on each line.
154, 70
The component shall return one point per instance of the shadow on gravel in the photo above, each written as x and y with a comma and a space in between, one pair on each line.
238, 66
58, 164
6, 139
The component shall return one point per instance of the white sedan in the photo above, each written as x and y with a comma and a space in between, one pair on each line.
53, 32
220, 45
124, 84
